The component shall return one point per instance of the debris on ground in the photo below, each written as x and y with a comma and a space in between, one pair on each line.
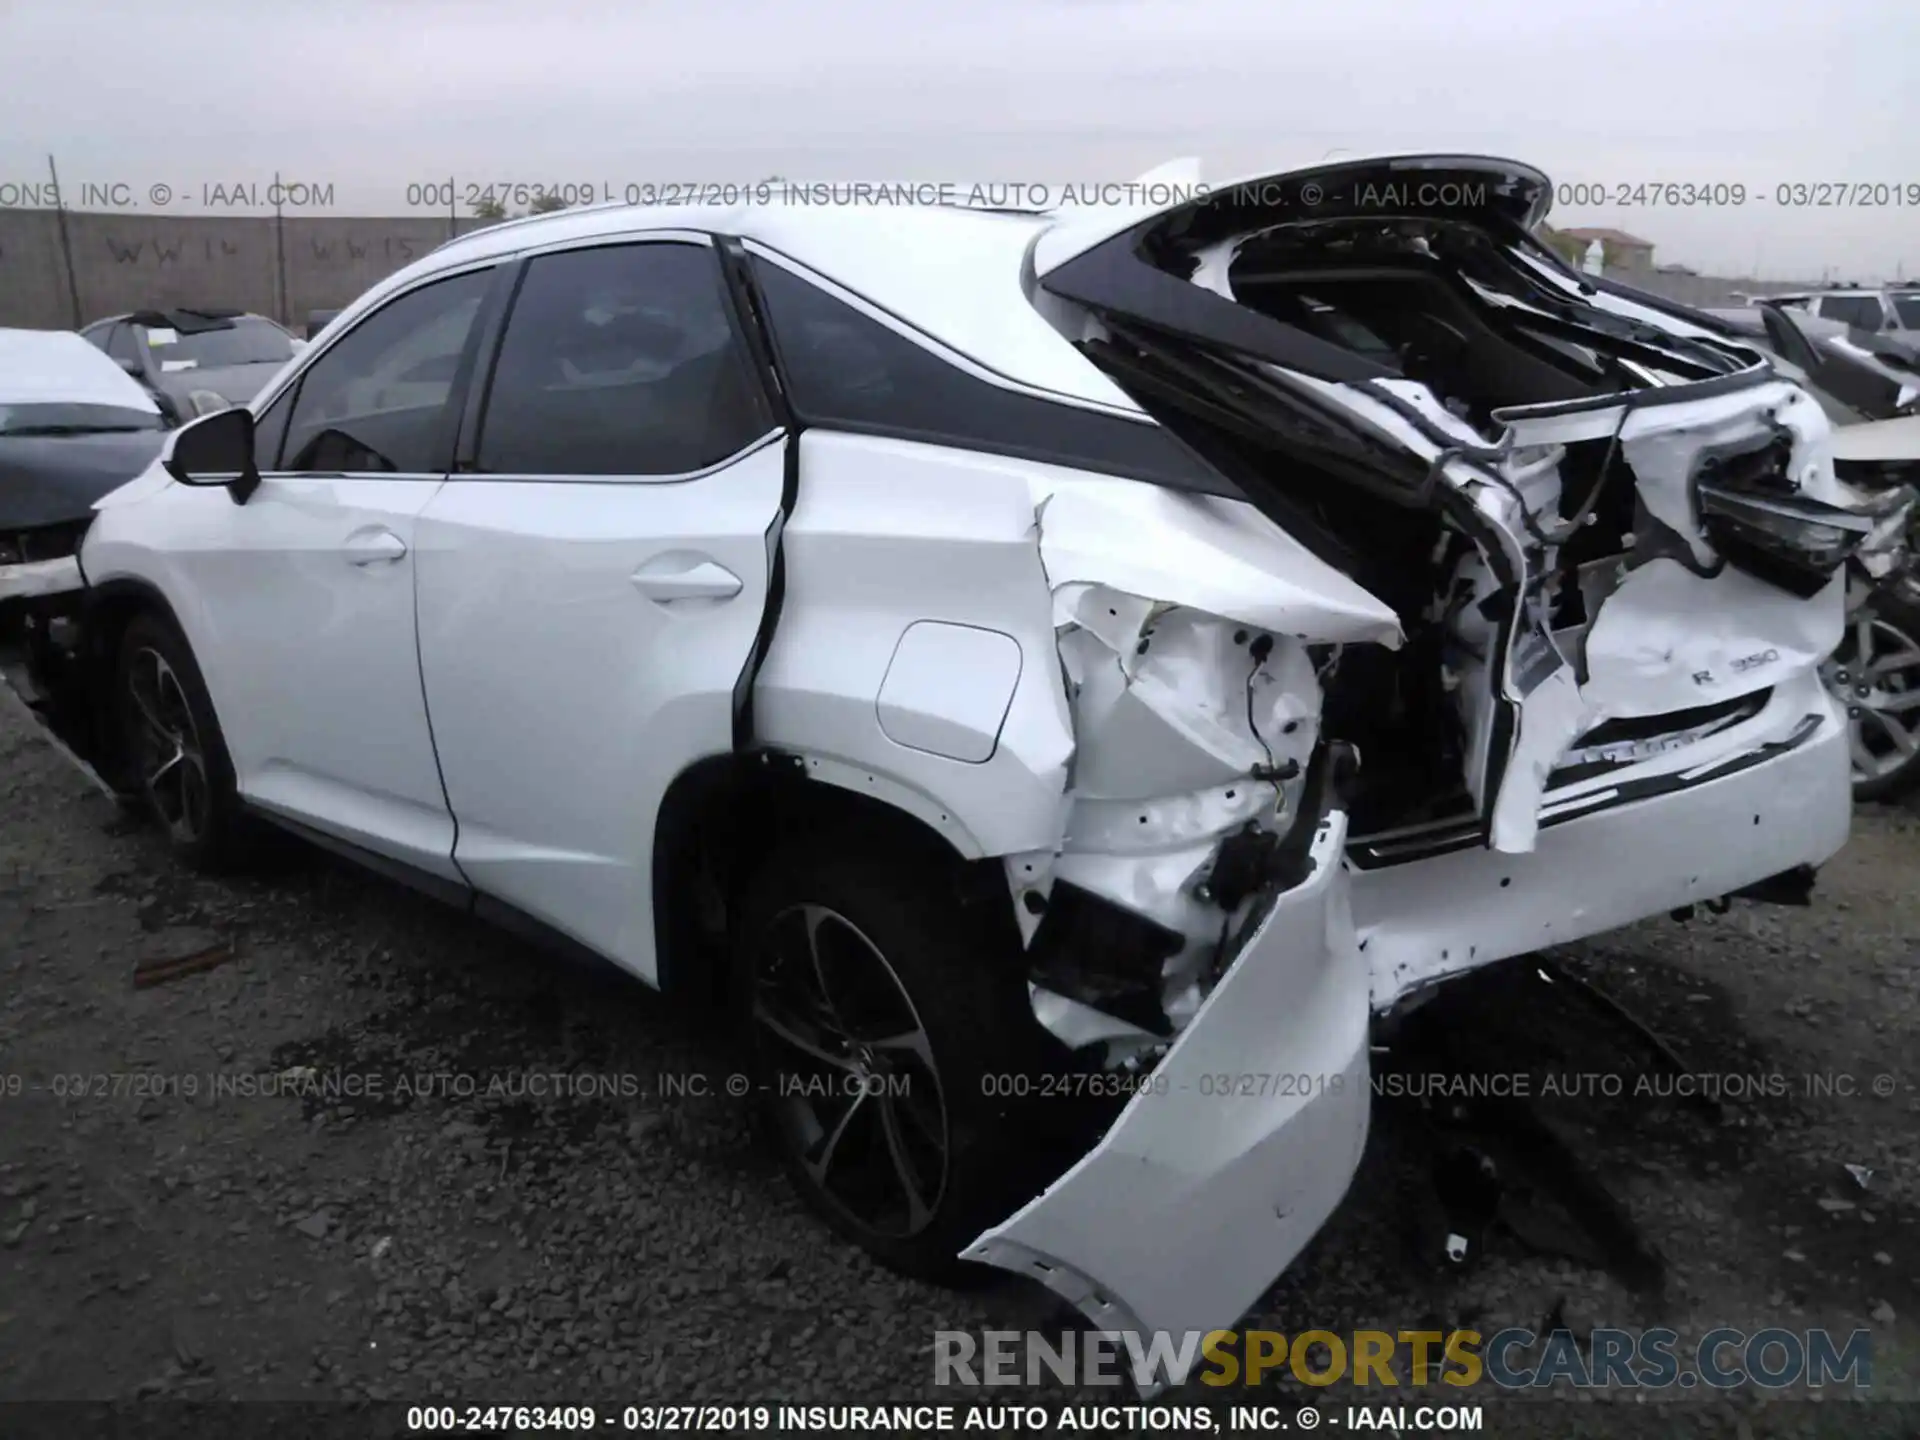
148, 973
622, 1250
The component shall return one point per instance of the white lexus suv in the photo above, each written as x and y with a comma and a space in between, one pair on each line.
1060, 675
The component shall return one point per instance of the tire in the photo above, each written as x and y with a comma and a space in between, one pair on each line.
160, 702
938, 1098
1895, 627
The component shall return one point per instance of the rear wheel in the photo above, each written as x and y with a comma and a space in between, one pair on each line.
1875, 673
174, 755
881, 1012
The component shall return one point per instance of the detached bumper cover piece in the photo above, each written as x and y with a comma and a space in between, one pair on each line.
1236, 1149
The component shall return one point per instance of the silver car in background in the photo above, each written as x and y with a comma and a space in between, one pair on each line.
195, 361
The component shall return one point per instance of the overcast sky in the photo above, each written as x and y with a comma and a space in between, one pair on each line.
372, 97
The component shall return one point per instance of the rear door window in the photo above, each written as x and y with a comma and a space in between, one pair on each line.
620, 360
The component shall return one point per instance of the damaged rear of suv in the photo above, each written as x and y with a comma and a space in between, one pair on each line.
1605, 551
1067, 676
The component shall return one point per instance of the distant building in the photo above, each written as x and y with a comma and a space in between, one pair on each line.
1623, 251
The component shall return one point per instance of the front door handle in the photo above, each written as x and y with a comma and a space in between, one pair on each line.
683, 576
375, 547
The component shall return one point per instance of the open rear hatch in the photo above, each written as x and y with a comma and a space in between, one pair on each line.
1586, 511
1612, 541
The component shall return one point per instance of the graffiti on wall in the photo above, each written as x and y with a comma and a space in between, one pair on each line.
162, 252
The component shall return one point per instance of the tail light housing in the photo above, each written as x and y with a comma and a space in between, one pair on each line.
1753, 514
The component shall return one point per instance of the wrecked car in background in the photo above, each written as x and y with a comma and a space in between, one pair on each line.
195, 361
1130, 646
72, 428
1869, 385
1875, 671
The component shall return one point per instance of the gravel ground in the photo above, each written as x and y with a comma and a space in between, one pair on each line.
460, 1230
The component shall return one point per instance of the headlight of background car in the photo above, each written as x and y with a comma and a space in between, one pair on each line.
205, 402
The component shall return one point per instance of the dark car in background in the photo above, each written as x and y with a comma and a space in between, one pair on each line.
72, 428
1857, 373
195, 361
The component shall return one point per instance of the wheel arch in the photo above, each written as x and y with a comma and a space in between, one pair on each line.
721, 817
109, 608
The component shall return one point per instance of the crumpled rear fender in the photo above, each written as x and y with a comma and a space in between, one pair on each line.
1235, 1149
920, 654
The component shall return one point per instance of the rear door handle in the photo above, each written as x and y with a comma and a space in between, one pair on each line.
375, 547
682, 576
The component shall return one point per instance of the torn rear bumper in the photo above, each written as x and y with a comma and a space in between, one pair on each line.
1604, 860
1237, 1148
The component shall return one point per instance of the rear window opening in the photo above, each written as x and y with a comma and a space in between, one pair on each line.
1449, 307
1461, 310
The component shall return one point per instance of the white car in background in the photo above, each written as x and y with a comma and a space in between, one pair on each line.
72, 428
1138, 646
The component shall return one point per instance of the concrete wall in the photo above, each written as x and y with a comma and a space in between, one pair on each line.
289, 267
127, 262
1707, 292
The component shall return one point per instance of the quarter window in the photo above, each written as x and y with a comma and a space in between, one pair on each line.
621, 360
845, 370
379, 399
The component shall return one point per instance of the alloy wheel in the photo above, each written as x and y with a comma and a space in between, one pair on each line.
1875, 673
854, 1086
167, 749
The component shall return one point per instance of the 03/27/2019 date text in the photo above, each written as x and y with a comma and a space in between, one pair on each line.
1785, 194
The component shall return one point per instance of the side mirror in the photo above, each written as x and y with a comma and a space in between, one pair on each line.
132, 367
215, 449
